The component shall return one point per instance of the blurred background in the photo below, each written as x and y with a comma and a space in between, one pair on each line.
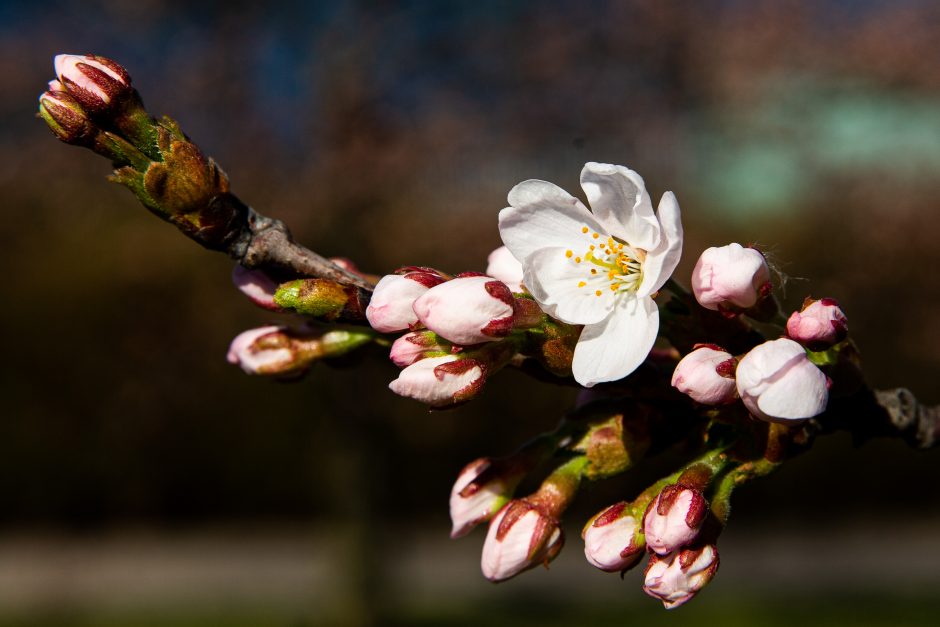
144, 481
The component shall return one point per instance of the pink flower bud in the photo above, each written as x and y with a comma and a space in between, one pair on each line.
730, 278
65, 116
819, 325
674, 518
778, 383
257, 286
417, 345
707, 375
94, 81
610, 539
440, 381
391, 306
467, 310
481, 489
520, 537
263, 351
503, 266
676, 578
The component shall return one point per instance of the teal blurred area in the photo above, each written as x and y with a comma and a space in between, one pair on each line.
390, 132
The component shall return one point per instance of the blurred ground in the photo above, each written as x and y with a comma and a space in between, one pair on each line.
390, 133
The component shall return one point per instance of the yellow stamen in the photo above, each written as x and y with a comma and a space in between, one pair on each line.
597, 293
581, 283
568, 254
577, 259
596, 235
584, 229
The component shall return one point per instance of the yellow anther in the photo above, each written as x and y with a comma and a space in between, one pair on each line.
577, 259
596, 235
593, 270
584, 229
591, 247
613, 287
568, 254
597, 293
581, 283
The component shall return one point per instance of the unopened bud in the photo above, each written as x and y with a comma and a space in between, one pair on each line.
521, 536
778, 383
392, 305
321, 299
481, 489
707, 376
440, 381
417, 345
674, 518
675, 578
613, 539
95, 82
467, 310
502, 265
278, 351
65, 116
819, 325
730, 278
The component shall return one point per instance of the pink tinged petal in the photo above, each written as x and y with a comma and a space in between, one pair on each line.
241, 352
257, 286
778, 383
467, 310
618, 197
703, 375
729, 276
390, 308
554, 280
470, 503
673, 519
502, 265
819, 325
610, 540
678, 577
525, 540
439, 381
612, 349
661, 261
542, 215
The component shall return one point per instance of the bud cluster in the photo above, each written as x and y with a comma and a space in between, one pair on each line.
458, 330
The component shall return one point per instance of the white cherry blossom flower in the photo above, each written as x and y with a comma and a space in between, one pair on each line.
598, 269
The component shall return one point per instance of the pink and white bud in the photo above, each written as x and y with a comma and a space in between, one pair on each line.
778, 383
520, 537
417, 345
819, 325
440, 381
260, 351
467, 310
730, 278
612, 539
391, 307
707, 376
502, 265
94, 81
674, 518
481, 490
677, 577
257, 285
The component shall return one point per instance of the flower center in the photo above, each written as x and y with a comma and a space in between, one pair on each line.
612, 265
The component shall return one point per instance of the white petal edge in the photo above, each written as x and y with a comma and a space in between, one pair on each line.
661, 262
542, 215
620, 202
802, 393
612, 349
553, 279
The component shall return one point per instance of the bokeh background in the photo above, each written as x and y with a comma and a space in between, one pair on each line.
144, 481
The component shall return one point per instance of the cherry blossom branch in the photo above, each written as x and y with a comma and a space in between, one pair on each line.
92, 104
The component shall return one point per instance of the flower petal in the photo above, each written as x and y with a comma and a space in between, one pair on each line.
618, 197
553, 279
614, 348
542, 215
801, 393
662, 260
